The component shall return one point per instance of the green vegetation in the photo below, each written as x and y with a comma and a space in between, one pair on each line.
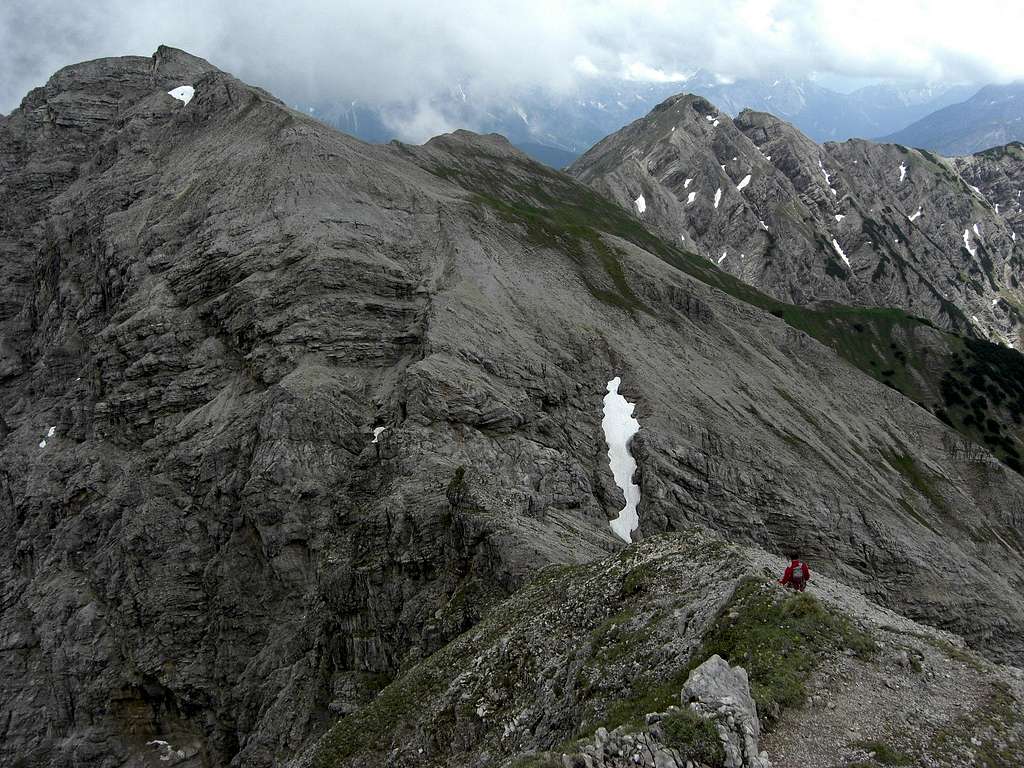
779, 639
883, 753
985, 736
982, 391
904, 464
370, 727
651, 696
694, 737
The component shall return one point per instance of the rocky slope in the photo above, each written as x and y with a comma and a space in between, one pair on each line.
283, 413
587, 667
856, 222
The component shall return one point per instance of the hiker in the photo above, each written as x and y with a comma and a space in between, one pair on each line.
797, 575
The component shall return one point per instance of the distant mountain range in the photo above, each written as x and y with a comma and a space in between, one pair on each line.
538, 121
991, 117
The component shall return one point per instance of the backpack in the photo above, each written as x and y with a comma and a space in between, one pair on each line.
799, 572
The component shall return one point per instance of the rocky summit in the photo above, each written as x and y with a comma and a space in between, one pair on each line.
304, 457
856, 222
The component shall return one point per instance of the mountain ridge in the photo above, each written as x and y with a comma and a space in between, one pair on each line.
284, 413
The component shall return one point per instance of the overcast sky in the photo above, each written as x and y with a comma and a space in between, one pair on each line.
381, 50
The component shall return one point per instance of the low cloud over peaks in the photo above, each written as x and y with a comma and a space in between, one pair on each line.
312, 51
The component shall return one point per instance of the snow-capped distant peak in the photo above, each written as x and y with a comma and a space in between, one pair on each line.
183, 93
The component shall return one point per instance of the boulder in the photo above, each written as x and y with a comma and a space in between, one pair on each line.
717, 690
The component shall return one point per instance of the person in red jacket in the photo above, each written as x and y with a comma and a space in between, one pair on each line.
797, 575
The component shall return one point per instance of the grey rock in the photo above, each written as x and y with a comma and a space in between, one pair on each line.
215, 304
791, 213
722, 691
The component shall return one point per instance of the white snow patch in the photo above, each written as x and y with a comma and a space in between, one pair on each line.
718, 197
840, 216
915, 214
722, 257
997, 209
967, 243
183, 93
903, 171
690, 197
683, 238
51, 431
687, 183
714, 124
619, 427
42, 443
709, 118
977, 232
835, 244
761, 222
743, 182
767, 157
828, 176
641, 204
376, 433
995, 302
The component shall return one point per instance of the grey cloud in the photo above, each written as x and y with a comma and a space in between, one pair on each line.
386, 51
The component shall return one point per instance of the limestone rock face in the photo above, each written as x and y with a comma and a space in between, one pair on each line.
723, 692
207, 313
853, 222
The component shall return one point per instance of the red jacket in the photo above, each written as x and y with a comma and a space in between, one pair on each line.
787, 577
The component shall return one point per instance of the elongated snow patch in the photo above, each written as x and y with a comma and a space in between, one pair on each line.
687, 183
835, 244
718, 197
619, 427
915, 214
743, 182
641, 204
903, 171
183, 93
967, 243
690, 197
